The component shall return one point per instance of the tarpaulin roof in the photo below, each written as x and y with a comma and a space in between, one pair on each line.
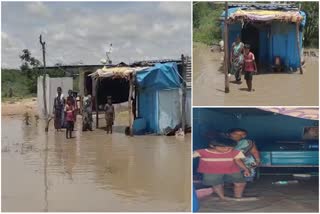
305, 113
160, 76
121, 72
246, 14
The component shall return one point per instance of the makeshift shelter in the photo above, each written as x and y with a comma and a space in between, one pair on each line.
285, 137
153, 93
158, 97
271, 30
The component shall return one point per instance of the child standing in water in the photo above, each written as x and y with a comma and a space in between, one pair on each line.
249, 65
69, 111
109, 114
220, 164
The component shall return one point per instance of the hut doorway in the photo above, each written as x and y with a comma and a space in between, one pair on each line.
88, 83
250, 35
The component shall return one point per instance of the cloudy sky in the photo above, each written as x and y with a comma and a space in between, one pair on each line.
82, 31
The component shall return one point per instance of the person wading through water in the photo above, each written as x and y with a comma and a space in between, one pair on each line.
109, 114
87, 113
69, 111
249, 149
220, 163
236, 58
249, 66
58, 110
73, 102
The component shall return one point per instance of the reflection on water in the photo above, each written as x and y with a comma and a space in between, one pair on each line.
270, 89
93, 171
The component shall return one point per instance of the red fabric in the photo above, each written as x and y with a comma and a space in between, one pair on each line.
69, 113
218, 166
249, 62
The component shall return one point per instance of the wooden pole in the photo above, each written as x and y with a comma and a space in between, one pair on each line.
129, 104
135, 102
298, 43
226, 50
44, 90
298, 47
183, 102
97, 105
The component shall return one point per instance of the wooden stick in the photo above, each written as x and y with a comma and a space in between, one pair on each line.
44, 87
298, 43
226, 51
97, 106
129, 104
183, 113
298, 46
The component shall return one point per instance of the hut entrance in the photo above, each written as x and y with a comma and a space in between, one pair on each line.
117, 88
88, 83
250, 35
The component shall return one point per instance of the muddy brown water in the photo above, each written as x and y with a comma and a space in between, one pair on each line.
93, 171
301, 197
271, 89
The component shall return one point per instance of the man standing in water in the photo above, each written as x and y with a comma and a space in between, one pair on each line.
250, 66
248, 148
109, 114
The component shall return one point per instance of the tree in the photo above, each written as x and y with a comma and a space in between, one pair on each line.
30, 68
311, 30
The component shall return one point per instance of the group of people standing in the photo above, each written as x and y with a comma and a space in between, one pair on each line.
229, 158
242, 60
65, 112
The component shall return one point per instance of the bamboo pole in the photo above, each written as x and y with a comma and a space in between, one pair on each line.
298, 43
183, 102
298, 47
135, 103
226, 51
130, 104
96, 101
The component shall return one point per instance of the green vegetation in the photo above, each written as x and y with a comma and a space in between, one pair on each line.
206, 23
17, 81
22, 83
311, 30
207, 26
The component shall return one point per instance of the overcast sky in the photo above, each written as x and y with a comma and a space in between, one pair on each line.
82, 31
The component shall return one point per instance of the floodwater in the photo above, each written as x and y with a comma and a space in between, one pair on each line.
271, 89
93, 171
301, 197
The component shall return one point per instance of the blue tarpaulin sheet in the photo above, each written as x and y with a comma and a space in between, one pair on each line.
276, 40
160, 76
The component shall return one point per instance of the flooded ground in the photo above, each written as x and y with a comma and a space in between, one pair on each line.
93, 171
301, 197
271, 89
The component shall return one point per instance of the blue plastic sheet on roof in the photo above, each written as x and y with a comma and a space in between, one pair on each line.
160, 76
